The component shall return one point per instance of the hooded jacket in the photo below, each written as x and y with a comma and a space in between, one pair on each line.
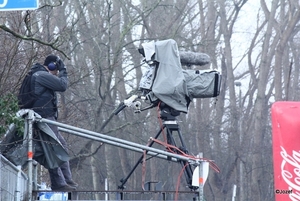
45, 85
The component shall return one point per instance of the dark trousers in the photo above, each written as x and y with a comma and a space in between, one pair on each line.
62, 175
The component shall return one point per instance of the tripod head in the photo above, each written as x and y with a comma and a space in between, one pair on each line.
167, 113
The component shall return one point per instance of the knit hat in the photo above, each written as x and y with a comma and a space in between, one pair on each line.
49, 59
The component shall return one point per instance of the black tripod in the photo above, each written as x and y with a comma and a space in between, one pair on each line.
170, 126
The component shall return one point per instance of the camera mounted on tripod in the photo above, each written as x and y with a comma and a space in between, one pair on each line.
166, 85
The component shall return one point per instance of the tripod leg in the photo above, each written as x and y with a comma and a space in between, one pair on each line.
188, 171
124, 180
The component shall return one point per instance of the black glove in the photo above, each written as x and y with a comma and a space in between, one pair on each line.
60, 65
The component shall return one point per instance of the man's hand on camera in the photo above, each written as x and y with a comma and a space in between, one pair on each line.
61, 65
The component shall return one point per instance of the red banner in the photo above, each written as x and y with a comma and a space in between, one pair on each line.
286, 150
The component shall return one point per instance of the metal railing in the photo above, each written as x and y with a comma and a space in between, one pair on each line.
15, 185
14, 181
117, 195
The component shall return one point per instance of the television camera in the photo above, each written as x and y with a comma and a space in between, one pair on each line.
167, 86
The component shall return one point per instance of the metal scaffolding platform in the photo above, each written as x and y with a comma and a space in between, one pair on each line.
31, 117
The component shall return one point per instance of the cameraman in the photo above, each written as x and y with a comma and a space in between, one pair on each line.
51, 77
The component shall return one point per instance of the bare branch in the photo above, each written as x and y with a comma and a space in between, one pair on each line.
17, 35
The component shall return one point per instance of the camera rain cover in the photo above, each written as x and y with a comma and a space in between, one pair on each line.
171, 84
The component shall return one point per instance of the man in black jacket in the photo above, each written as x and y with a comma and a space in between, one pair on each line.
51, 77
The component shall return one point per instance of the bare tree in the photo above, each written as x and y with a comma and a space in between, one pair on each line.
99, 41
